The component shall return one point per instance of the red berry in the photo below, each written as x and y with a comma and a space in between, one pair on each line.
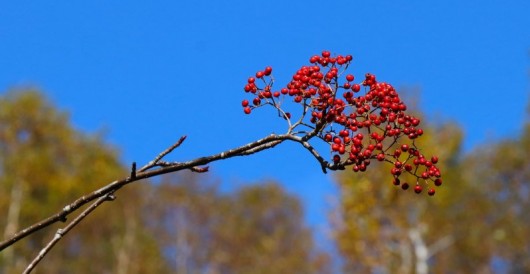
248, 87
395, 171
247, 110
251, 80
367, 153
349, 77
434, 159
244, 103
259, 74
298, 99
356, 87
267, 71
431, 192
405, 186
343, 133
380, 157
438, 182
326, 54
396, 182
362, 167
418, 189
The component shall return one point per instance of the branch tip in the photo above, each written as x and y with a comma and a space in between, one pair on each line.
200, 169
133, 170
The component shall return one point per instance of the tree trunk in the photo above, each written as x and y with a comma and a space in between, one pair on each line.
420, 251
13, 215
124, 256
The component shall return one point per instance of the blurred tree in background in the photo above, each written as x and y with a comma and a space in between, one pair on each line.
45, 162
500, 175
256, 229
477, 223
380, 227
181, 225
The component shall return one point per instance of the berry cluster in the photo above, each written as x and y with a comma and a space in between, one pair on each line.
359, 127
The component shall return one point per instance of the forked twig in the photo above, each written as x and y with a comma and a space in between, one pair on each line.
62, 231
145, 172
154, 168
159, 157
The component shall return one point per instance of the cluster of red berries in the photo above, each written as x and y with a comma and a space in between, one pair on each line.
359, 127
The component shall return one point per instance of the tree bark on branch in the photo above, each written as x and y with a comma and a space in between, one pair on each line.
155, 168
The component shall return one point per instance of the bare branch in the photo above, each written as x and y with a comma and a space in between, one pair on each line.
260, 148
61, 232
324, 164
133, 170
144, 173
159, 157
162, 167
199, 169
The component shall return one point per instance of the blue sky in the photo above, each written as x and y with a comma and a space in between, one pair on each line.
151, 72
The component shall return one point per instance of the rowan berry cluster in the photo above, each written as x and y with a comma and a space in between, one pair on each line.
360, 127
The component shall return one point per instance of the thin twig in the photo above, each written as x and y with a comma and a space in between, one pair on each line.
323, 163
159, 157
61, 232
113, 186
133, 170
197, 165
199, 169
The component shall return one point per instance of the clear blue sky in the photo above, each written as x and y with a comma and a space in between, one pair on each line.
151, 72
